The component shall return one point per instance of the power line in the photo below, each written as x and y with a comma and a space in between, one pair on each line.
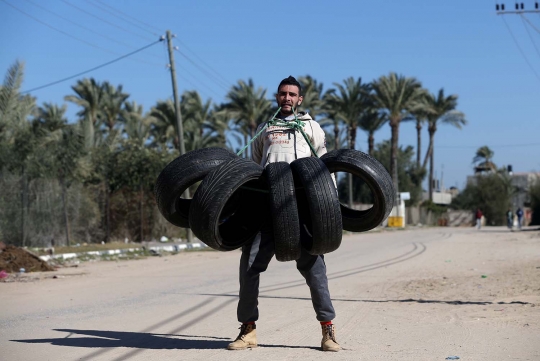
131, 17
204, 63
492, 146
530, 36
119, 17
103, 20
202, 70
520, 50
531, 24
56, 29
79, 25
95, 68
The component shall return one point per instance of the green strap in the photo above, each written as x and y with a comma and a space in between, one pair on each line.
295, 124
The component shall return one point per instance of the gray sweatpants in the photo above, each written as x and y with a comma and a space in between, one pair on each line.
255, 259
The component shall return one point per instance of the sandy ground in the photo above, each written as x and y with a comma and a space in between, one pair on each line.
417, 294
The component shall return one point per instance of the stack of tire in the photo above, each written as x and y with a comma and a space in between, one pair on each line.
236, 196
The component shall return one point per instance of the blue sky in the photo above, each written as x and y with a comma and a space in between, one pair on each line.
461, 46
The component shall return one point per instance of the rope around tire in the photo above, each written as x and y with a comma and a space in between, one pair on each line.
296, 125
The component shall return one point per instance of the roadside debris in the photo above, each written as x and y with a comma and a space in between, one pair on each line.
18, 260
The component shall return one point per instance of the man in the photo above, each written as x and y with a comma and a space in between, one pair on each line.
478, 217
519, 214
282, 144
509, 219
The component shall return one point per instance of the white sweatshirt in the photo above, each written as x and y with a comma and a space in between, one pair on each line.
283, 144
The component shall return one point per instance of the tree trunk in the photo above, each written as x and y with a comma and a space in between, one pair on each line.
431, 136
371, 141
141, 213
64, 206
394, 124
418, 142
23, 208
352, 137
336, 135
107, 212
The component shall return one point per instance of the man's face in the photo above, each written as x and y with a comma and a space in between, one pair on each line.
288, 97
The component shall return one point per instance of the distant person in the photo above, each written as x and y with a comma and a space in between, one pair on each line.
519, 214
478, 216
509, 219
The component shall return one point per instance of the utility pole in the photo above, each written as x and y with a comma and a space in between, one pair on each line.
519, 9
179, 126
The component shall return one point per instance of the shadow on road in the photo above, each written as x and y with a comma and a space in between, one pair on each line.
141, 340
100, 339
412, 300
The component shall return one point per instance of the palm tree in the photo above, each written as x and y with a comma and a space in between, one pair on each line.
112, 101
441, 111
63, 151
312, 92
483, 157
247, 107
397, 96
419, 115
88, 96
137, 126
17, 140
371, 121
349, 105
202, 128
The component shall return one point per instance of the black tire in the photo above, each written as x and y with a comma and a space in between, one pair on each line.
375, 175
284, 211
180, 174
318, 205
229, 207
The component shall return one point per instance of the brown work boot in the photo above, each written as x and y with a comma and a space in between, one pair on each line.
247, 338
329, 342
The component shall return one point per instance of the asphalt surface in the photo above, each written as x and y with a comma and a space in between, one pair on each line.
399, 295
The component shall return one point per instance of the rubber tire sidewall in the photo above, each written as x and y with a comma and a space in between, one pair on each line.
221, 192
375, 175
319, 204
283, 211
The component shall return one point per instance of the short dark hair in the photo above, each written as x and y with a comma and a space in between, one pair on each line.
291, 80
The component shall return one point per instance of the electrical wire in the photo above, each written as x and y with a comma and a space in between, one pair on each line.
202, 70
119, 17
56, 29
221, 81
492, 146
72, 36
128, 16
520, 50
204, 63
94, 68
79, 25
201, 83
531, 24
103, 20
530, 36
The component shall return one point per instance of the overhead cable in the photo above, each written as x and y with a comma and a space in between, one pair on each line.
530, 36
103, 20
79, 25
94, 68
520, 50
119, 17
56, 29
131, 17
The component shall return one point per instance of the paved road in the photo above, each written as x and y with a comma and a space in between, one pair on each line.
404, 295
